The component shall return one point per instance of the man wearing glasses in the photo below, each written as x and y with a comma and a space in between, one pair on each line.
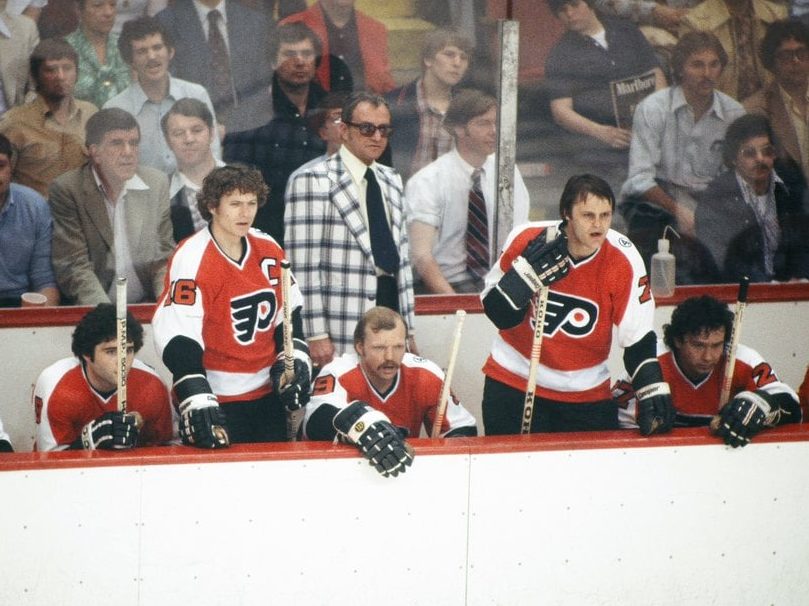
784, 51
751, 221
345, 232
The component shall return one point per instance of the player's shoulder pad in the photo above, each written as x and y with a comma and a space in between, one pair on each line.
413, 361
340, 365
51, 375
138, 364
187, 257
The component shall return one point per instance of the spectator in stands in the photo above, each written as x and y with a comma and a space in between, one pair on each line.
229, 60
594, 53
47, 133
128, 10
147, 49
451, 202
26, 229
692, 357
18, 37
753, 223
285, 142
355, 46
739, 25
102, 71
325, 121
345, 233
76, 399
785, 52
677, 135
111, 217
189, 128
418, 107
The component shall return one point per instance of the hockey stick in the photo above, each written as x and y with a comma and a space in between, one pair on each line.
730, 361
289, 351
121, 339
536, 349
293, 417
445, 389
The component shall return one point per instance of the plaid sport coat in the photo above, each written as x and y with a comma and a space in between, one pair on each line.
329, 247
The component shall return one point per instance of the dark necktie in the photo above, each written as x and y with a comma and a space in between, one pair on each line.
477, 230
222, 92
386, 257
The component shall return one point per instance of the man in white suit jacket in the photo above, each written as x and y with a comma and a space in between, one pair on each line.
328, 235
18, 37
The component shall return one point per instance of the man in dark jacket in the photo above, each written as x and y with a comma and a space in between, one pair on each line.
752, 218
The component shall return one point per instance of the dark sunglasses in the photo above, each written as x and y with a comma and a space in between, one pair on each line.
367, 129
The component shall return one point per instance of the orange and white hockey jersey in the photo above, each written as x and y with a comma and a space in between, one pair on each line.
411, 402
696, 403
608, 289
64, 402
230, 309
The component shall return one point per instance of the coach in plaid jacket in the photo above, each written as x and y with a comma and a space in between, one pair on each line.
327, 238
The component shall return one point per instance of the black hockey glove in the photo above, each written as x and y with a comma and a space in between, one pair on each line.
541, 263
378, 440
293, 395
202, 422
743, 417
5, 446
655, 409
111, 431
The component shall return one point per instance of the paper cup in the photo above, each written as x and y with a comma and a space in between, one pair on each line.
33, 299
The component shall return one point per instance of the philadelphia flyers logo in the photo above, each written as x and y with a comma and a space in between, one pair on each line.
251, 314
574, 316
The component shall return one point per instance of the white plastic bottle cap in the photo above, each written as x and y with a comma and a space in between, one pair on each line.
663, 245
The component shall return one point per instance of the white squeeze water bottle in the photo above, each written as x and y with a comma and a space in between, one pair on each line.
663, 265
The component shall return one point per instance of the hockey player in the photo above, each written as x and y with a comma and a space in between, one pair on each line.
5, 441
803, 393
597, 283
692, 356
376, 397
219, 323
76, 399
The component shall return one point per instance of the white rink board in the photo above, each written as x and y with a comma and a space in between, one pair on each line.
686, 525
692, 525
330, 532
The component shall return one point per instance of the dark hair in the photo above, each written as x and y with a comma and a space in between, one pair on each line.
51, 49
695, 316
578, 187
376, 319
225, 180
333, 100
138, 29
438, 39
465, 105
98, 326
6, 148
694, 42
106, 120
556, 5
743, 129
292, 33
361, 97
777, 33
189, 107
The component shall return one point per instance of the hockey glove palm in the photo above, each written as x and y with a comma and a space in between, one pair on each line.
541, 264
743, 417
378, 440
111, 431
656, 411
295, 394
